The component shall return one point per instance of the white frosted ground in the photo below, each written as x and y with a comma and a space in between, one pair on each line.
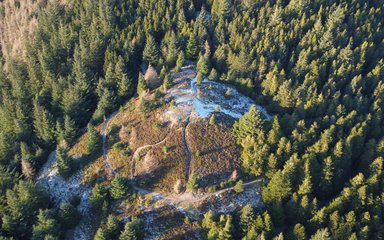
202, 100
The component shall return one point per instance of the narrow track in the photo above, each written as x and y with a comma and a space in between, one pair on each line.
187, 151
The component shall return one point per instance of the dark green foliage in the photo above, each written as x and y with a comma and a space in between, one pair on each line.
47, 227
203, 65
23, 202
193, 182
120, 187
65, 164
247, 217
141, 85
147, 106
250, 124
317, 66
99, 196
278, 189
69, 216
192, 49
94, 140
180, 61
151, 52
132, 230
109, 230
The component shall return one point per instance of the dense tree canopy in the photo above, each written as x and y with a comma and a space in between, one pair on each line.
317, 66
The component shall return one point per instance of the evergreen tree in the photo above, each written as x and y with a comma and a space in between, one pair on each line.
23, 202
193, 182
44, 124
124, 82
94, 140
69, 216
180, 61
278, 189
120, 187
321, 234
250, 124
203, 65
65, 163
26, 161
239, 187
225, 8
247, 217
98, 196
226, 232
192, 50
131, 230
70, 130
151, 52
141, 85
46, 227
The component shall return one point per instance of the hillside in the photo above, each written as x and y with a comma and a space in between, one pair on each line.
201, 119
157, 148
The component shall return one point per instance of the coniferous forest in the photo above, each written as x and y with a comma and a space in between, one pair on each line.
317, 67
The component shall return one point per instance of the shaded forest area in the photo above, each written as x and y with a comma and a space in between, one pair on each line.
316, 65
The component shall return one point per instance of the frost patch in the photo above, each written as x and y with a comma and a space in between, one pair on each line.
61, 190
202, 100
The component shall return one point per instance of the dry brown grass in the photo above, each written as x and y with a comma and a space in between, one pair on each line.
218, 152
165, 168
154, 168
157, 153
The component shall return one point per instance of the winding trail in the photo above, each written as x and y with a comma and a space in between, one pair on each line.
136, 155
172, 200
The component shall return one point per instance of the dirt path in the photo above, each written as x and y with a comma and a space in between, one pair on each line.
136, 155
187, 151
173, 200
104, 145
186, 198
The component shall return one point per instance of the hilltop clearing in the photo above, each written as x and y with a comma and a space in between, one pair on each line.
161, 140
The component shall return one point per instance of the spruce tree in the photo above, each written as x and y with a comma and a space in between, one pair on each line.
151, 52
69, 216
247, 217
94, 140
225, 8
192, 50
98, 196
27, 161
180, 61
212, 119
250, 124
131, 230
203, 65
119, 187
141, 85
65, 164
172, 51
22, 202
193, 182
46, 227
226, 232
70, 130
238, 188
124, 82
